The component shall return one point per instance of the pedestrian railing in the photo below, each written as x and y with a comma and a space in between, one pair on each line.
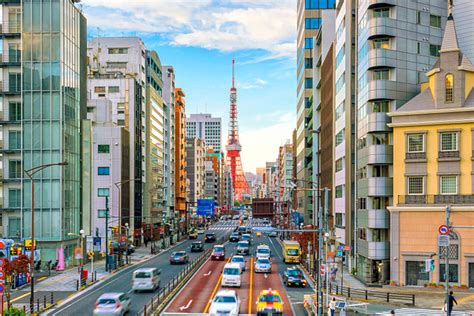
372, 295
40, 305
157, 304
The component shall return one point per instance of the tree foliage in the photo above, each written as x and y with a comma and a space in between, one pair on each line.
17, 266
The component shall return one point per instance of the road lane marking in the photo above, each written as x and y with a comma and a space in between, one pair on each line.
207, 274
251, 284
266, 276
213, 292
187, 306
20, 297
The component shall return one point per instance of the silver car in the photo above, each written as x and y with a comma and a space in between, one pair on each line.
243, 248
112, 304
263, 265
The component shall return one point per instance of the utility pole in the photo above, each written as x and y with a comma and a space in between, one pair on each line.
446, 268
106, 234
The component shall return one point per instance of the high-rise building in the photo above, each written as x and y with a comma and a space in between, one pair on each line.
397, 43
210, 181
229, 192
270, 171
206, 127
462, 11
180, 157
285, 169
43, 101
311, 14
169, 144
195, 156
117, 72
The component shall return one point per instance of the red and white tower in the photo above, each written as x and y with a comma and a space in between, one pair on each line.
240, 185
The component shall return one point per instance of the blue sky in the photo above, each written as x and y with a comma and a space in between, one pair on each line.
199, 38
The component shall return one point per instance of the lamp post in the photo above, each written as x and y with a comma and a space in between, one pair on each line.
30, 173
118, 185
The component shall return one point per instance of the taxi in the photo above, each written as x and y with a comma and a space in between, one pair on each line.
193, 234
269, 303
258, 234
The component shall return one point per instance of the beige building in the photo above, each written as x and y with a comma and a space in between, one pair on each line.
195, 153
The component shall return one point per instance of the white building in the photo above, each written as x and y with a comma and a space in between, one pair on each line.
206, 127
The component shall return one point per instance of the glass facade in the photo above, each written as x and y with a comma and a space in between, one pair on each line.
52, 40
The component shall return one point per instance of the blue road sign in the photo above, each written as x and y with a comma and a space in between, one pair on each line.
205, 207
96, 244
2, 288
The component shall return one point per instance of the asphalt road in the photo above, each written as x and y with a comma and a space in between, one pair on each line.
122, 281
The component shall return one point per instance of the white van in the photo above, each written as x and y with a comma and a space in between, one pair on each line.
231, 275
146, 279
263, 251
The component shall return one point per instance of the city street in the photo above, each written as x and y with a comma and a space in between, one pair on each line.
83, 303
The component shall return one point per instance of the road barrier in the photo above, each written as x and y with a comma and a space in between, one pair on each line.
372, 295
158, 303
37, 308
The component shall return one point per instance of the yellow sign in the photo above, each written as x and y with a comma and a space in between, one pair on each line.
28, 244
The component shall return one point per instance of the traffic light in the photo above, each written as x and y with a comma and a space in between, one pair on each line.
432, 265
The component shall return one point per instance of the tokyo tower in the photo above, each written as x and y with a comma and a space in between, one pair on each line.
239, 182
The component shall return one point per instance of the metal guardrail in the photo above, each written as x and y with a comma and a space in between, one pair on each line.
157, 304
372, 295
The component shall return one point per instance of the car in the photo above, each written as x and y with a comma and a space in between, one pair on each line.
273, 233
246, 237
294, 276
240, 260
234, 237
263, 251
112, 304
243, 248
210, 237
258, 234
201, 231
218, 253
263, 265
236, 217
225, 302
193, 234
269, 302
146, 279
197, 246
231, 275
179, 257
242, 230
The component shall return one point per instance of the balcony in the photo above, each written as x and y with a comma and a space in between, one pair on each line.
374, 218
382, 89
377, 122
433, 200
7, 60
382, 27
415, 157
375, 154
9, 89
375, 186
10, 29
381, 57
381, 3
448, 155
375, 250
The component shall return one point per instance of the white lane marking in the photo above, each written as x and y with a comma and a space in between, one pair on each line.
265, 275
207, 274
187, 306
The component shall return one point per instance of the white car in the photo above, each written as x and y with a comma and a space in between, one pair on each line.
146, 279
240, 260
263, 251
112, 304
231, 275
226, 302
263, 265
201, 231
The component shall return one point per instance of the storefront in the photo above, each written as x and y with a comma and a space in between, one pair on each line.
416, 274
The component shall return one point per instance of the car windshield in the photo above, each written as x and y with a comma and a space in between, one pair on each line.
210, 235
225, 299
243, 244
231, 271
238, 259
197, 244
293, 272
263, 261
180, 254
142, 275
263, 250
218, 249
106, 301
270, 298
293, 252
245, 237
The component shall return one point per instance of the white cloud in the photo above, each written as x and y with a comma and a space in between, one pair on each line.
254, 84
261, 144
223, 25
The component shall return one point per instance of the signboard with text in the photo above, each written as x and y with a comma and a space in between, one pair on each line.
205, 207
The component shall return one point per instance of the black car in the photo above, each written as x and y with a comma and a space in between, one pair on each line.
294, 277
234, 237
210, 237
197, 246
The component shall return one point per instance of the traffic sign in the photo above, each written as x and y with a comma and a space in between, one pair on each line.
2, 288
340, 254
341, 248
443, 240
443, 230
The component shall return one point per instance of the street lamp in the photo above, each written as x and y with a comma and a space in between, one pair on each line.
119, 187
30, 173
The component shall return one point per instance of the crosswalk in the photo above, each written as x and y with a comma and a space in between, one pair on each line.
227, 225
418, 311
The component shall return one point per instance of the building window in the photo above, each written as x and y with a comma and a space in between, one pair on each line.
114, 89
99, 89
415, 185
435, 21
434, 50
14, 198
103, 171
340, 110
103, 192
15, 111
308, 83
340, 28
14, 140
312, 23
382, 43
449, 82
418, 17
308, 102
453, 273
103, 149
416, 143
339, 164
362, 203
339, 191
340, 56
320, 4
339, 137
381, 74
339, 220
448, 184
381, 106
449, 141
117, 64
340, 82
118, 50
381, 13
308, 43
121, 122
14, 169
308, 63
